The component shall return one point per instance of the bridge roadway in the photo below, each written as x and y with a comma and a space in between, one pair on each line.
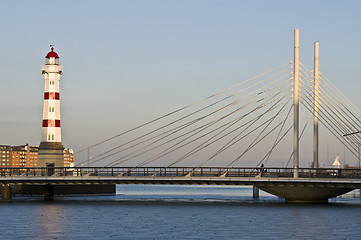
312, 184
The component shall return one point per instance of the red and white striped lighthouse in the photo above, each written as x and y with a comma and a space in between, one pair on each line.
51, 148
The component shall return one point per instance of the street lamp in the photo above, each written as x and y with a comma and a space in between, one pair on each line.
358, 153
358, 147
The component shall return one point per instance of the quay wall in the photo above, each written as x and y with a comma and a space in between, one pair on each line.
30, 190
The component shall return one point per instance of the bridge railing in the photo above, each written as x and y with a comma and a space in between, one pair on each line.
236, 172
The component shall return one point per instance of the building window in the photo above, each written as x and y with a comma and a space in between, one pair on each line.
51, 109
52, 136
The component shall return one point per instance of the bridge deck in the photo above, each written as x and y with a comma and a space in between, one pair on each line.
350, 178
313, 185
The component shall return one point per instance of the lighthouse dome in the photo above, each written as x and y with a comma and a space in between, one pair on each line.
52, 57
52, 54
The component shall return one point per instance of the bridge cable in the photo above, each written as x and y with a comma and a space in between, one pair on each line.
180, 109
344, 109
325, 104
300, 137
328, 125
200, 147
192, 113
278, 139
254, 143
157, 157
340, 93
186, 125
336, 97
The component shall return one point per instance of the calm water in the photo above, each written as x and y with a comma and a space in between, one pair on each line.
179, 212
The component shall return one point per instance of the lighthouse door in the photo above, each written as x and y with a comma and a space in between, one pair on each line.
50, 169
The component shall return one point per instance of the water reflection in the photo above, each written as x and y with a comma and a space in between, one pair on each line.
166, 212
50, 220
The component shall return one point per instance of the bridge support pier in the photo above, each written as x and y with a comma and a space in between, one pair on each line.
303, 193
48, 192
6, 193
255, 192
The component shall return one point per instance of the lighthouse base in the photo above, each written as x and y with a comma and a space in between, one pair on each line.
51, 154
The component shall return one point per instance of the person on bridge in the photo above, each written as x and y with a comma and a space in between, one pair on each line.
261, 171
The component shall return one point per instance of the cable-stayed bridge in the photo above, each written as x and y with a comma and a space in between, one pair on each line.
249, 124
234, 136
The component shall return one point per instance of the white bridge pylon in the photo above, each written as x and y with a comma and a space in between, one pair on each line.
248, 124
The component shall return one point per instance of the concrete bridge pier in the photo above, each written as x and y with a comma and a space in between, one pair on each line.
255, 192
6, 193
48, 192
304, 192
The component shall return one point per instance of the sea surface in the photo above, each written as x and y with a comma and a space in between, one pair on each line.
180, 212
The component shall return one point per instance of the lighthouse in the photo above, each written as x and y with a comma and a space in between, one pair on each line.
50, 148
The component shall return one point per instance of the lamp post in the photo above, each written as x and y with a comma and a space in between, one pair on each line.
358, 152
358, 147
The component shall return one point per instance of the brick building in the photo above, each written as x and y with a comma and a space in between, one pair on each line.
68, 157
23, 156
27, 156
32, 156
5, 156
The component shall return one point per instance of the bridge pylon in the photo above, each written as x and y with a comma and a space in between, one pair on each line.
316, 106
296, 106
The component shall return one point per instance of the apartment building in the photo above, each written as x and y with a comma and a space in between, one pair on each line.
27, 156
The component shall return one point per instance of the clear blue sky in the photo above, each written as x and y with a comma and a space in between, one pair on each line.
127, 62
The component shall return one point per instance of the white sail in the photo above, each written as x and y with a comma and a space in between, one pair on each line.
337, 163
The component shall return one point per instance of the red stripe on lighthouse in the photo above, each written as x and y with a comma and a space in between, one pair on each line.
51, 123
51, 95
